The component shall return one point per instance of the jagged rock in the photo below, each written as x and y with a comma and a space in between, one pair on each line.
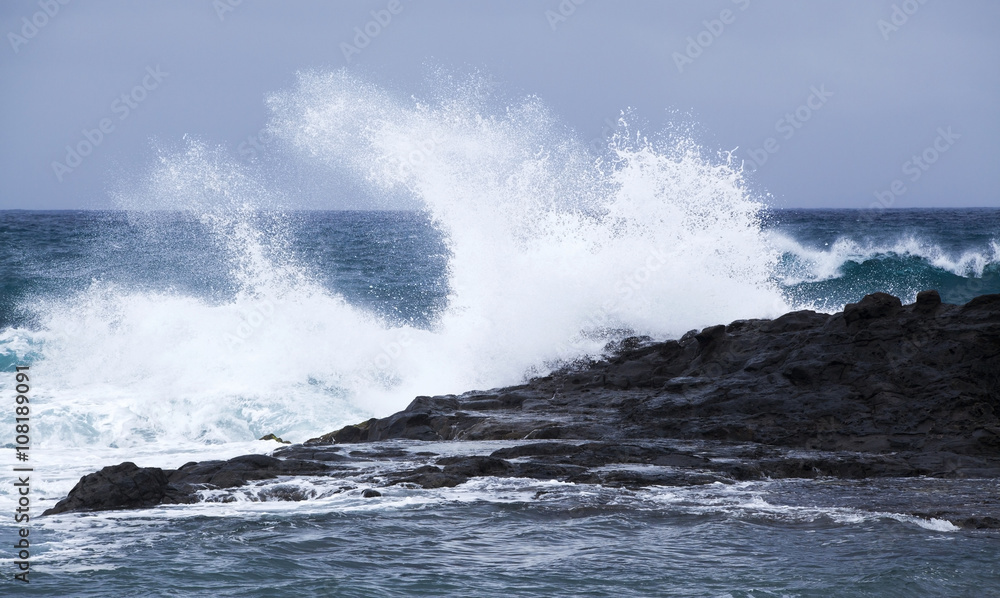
878, 390
428, 476
240, 470
876, 305
123, 486
127, 486
877, 377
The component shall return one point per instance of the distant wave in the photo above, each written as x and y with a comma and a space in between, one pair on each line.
802, 263
847, 269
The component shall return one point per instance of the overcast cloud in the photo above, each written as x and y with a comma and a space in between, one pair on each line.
839, 96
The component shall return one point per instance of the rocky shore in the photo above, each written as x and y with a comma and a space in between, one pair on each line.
880, 390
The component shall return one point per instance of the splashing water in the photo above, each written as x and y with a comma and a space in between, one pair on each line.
548, 242
552, 252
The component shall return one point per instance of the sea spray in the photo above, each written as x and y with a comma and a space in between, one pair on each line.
542, 232
552, 252
132, 366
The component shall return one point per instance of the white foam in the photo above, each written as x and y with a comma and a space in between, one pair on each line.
747, 500
548, 243
551, 247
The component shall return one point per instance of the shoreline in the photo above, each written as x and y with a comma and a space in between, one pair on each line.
879, 390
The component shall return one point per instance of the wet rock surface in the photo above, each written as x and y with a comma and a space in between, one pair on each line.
880, 390
127, 486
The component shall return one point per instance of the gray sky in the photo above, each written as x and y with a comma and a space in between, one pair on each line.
847, 91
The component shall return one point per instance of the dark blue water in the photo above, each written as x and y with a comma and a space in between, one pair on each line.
504, 540
391, 262
395, 263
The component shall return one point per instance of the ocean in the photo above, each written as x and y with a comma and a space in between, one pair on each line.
150, 339
204, 312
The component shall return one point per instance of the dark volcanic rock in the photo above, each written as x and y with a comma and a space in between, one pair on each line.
877, 305
240, 470
429, 476
127, 486
124, 486
879, 390
879, 377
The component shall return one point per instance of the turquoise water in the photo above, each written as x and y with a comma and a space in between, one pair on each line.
833, 257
